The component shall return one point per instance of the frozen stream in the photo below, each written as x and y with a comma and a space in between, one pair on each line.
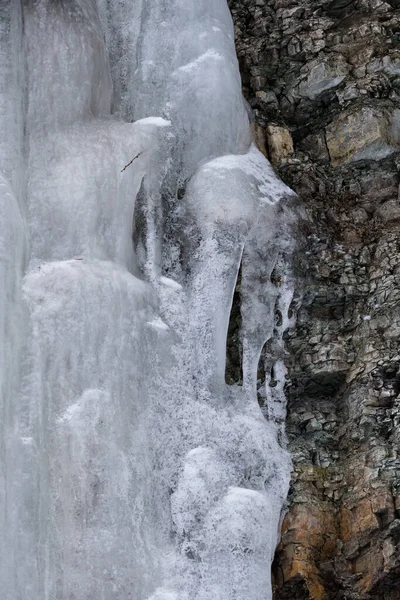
130, 193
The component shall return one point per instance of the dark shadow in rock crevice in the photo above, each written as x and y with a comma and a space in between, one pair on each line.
234, 349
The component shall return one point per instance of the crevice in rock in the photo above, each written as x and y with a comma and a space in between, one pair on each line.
233, 367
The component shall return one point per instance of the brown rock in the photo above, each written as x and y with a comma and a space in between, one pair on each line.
280, 144
259, 138
364, 133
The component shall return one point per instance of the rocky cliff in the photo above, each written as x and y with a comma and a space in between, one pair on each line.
323, 80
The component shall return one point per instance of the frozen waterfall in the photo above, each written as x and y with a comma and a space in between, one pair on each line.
131, 194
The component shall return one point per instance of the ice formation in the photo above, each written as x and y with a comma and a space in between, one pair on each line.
131, 194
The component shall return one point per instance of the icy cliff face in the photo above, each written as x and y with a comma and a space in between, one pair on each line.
131, 194
343, 420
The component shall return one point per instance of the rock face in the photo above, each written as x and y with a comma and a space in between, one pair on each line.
323, 79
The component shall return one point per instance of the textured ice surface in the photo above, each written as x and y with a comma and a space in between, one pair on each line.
82, 196
12, 261
130, 194
88, 524
176, 59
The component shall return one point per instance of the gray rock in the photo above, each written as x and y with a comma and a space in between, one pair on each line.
321, 76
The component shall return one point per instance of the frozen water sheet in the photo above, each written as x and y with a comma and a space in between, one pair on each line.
128, 468
84, 196
177, 59
13, 251
85, 401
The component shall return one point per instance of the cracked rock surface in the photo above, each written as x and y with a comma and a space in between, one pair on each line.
323, 80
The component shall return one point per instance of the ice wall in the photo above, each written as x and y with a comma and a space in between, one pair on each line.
12, 259
129, 469
177, 60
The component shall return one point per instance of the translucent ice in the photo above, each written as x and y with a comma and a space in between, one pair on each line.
131, 195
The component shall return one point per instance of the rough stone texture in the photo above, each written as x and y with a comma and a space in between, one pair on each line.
327, 74
280, 144
360, 133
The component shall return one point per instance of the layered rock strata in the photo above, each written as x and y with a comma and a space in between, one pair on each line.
323, 80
